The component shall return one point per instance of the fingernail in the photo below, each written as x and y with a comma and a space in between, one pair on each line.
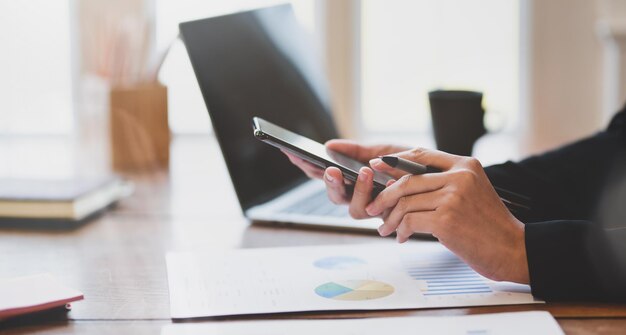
329, 178
370, 210
381, 230
385, 232
364, 174
376, 162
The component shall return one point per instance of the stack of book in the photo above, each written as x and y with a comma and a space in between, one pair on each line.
58, 201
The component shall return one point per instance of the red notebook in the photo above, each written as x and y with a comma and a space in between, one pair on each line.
29, 294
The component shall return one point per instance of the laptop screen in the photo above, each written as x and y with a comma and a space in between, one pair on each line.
258, 63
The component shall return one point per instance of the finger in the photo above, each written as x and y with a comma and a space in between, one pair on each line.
435, 158
362, 153
311, 170
380, 166
300, 162
333, 178
419, 222
362, 193
385, 214
403, 233
414, 203
407, 185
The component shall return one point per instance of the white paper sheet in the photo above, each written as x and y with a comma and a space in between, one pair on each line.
325, 278
521, 323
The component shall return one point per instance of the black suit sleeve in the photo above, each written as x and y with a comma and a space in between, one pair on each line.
576, 260
575, 235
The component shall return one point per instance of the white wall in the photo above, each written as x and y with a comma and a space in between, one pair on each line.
565, 72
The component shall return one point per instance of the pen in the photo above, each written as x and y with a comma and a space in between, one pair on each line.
408, 166
416, 168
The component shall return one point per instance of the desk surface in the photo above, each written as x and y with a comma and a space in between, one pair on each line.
118, 259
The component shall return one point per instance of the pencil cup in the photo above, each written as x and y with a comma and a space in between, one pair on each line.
139, 130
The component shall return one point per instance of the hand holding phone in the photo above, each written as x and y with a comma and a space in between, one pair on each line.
314, 152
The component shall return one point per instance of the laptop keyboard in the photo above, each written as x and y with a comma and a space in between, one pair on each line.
317, 204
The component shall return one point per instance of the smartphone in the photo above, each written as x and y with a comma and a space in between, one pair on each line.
313, 152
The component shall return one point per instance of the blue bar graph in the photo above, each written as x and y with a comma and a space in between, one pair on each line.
447, 275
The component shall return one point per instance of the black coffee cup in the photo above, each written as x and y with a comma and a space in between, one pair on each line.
457, 118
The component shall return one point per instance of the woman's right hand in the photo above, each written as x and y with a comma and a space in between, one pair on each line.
333, 178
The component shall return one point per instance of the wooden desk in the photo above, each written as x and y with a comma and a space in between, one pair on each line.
118, 260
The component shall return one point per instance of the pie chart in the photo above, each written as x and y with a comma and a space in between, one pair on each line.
354, 290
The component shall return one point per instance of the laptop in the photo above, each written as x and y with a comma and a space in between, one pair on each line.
259, 63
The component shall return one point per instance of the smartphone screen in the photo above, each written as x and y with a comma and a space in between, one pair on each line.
313, 152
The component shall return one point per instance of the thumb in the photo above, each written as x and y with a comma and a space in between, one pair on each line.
362, 153
378, 165
435, 158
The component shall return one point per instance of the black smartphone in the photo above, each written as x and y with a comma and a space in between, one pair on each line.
313, 152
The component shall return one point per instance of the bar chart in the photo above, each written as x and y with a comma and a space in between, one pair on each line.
445, 275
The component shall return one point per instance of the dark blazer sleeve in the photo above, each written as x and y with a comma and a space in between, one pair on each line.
575, 235
576, 260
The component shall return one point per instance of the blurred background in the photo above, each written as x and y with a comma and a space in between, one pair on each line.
551, 71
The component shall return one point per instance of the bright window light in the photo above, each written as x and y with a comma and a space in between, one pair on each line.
35, 84
412, 47
187, 111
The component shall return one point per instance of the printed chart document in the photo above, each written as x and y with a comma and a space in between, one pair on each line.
326, 278
521, 323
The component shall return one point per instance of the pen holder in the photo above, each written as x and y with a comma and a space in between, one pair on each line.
139, 130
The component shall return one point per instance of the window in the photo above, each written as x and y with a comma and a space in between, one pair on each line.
35, 63
187, 110
409, 48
